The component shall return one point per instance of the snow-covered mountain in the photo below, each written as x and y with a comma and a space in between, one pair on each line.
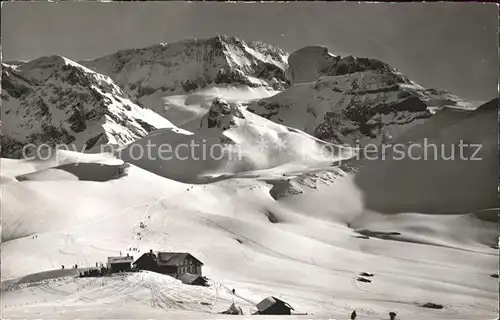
336, 99
342, 99
181, 67
53, 100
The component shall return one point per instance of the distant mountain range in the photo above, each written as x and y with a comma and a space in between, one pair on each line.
117, 99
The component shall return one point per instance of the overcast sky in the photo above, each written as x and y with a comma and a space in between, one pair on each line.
449, 46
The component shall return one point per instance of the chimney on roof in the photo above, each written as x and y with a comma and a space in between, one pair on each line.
127, 255
151, 251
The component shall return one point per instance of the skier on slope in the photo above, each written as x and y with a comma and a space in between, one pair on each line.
353, 315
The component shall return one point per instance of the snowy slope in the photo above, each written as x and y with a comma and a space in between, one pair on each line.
53, 100
305, 248
463, 178
342, 99
228, 140
185, 108
300, 249
130, 291
167, 69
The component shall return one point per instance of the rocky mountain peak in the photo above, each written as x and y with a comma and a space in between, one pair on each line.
221, 115
188, 65
310, 63
344, 99
55, 101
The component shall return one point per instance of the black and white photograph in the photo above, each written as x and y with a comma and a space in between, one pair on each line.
249, 160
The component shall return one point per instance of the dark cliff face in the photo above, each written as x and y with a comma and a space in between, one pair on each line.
360, 120
492, 104
350, 64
